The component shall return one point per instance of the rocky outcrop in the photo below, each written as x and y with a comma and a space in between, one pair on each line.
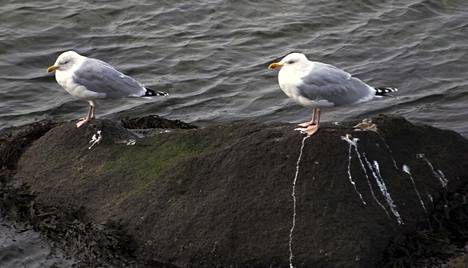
253, 195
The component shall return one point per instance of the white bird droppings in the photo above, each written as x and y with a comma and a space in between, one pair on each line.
97, 137
438, 174
293, 194
375, 168
354, 143
350, 177
407, 170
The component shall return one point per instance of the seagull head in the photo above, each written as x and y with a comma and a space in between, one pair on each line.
293, 60
65, 61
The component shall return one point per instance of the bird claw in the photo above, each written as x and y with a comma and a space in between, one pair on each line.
305, 124
310, 130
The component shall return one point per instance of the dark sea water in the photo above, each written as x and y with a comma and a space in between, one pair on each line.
22, 247
211, 56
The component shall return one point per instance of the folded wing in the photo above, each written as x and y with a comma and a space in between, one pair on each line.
326, 82
100, 77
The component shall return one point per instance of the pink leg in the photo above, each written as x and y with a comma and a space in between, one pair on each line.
93, 112
308, 123
89, 115
316, 116
313, 128
82, 121
93, 109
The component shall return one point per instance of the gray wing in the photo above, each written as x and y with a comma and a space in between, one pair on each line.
98, 76
326, 82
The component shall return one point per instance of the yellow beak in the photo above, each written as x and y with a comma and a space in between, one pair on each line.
52, 68
275, 65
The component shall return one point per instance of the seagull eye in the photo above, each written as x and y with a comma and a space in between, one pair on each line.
291, 62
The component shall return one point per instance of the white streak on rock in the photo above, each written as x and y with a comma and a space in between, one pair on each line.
350, 177
389, 150
407, 170
97, 137
293, 194
369, 182
430, 198
438, 174
353, 143
130, 142
375, 169
442, 177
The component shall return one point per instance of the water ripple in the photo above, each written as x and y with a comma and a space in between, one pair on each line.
212, 55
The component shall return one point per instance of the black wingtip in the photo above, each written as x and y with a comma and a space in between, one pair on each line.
385, 91
149, 93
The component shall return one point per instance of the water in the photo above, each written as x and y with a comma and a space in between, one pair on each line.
212, 56
22, 247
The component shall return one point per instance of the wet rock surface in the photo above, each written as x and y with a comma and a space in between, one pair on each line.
20, 246
14, 140
222, 195
154, 121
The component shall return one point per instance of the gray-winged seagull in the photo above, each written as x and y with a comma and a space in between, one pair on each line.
90, 79
315, 85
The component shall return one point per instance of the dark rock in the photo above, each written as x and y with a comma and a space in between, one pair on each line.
154, 121
220, 196
457, 262
432, 244
14, 140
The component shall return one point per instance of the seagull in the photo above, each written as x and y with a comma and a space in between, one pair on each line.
317, 85
91, 79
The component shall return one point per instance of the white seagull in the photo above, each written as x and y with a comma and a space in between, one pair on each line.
315, 85
90, 79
